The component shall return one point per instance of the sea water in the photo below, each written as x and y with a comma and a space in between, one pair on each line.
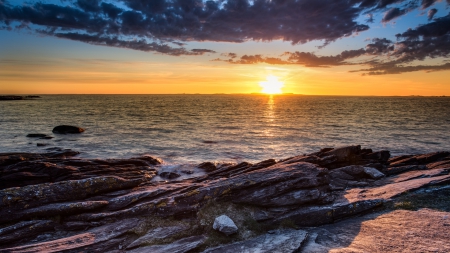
225, 128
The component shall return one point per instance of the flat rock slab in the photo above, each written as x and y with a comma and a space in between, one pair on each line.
398, 231
280, 241
180, 246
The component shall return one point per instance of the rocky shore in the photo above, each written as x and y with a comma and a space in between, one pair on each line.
336, 200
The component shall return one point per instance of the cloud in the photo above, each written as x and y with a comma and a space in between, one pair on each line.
398, 69
427, 3
393, 14
141, 45
195, 20
431, 13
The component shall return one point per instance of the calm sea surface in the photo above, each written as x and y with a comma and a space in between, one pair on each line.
196, 128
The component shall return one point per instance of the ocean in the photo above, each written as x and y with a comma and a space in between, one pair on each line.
188, 129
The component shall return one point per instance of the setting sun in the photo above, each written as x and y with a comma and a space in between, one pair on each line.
272, 85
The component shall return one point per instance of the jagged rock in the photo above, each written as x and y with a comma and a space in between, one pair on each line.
373, 173
25, 230
17, 199
169, 175
156, 234
280, 241
55, 209
66, 129
225, 225
180, 246
82, 241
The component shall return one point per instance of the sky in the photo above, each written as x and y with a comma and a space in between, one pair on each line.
312, 47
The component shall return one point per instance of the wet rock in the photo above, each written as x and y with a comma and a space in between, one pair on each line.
149, 159
279, 241
156, 234
66, 129
207, 166
225, 225
382, 156
373, 173
180, 246
169, 174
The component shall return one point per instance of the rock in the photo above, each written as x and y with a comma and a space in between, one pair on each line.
225, 225
82, 241
65, 129
25, 230
149, 159
207, 166
373, 173
397, 231
402, 169
157, 234
169, 175
180, 246
52, 210
42, 144
37, 135
11, 98
280, 241
19, 198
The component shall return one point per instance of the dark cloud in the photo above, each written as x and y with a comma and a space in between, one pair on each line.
197, 20
393, 14
141, 44
398, 69
431, 13
427, 3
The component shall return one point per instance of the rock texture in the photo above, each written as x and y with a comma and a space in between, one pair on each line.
284, 241
53, 201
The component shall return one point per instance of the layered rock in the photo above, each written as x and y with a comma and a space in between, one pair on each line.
53, 202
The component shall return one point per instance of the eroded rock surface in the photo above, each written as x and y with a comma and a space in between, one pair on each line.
54, 202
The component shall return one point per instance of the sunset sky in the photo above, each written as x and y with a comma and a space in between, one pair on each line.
314, 47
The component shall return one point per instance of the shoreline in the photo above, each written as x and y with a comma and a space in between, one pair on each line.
55, 200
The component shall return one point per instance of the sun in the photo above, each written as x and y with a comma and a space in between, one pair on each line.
272, 85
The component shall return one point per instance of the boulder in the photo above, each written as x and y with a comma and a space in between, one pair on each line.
225, 225
66, 129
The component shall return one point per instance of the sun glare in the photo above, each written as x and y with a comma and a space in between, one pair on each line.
272, 85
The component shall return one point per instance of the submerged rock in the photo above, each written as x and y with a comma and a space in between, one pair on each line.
225, 225
169, 174
66, 129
